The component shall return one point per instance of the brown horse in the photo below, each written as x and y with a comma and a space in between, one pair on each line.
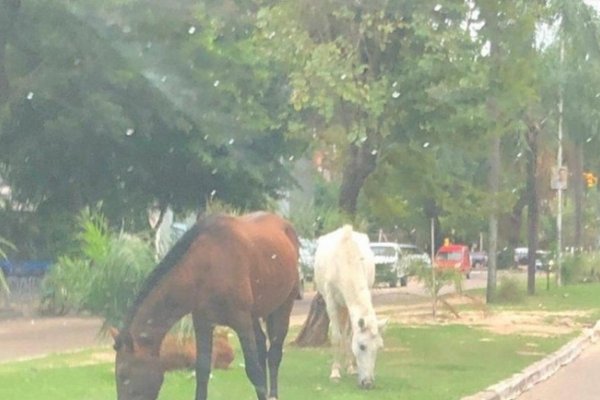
225, 270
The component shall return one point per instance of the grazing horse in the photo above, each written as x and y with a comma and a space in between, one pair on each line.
344, 275
225, 270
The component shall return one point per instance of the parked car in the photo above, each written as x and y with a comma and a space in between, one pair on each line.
413, 256
25, 268
479, 259
307, 257
454, 256
543, 258
389, 267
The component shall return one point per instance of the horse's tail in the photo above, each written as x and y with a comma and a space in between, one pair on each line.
290, 232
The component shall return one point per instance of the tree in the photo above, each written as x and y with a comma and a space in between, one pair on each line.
88, 123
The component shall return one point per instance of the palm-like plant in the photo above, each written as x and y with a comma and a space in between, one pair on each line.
3, 283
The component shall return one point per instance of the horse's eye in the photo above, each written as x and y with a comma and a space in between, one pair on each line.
362, 347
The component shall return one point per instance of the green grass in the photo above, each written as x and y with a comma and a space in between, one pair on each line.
438, 362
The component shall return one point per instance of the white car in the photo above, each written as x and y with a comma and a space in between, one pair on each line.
412, 255
389, 265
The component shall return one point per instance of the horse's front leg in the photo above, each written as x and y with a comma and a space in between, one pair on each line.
204, 342
336, 339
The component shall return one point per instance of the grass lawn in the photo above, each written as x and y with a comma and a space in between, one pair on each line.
430, 362
436, 363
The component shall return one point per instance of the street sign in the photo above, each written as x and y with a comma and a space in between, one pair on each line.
558, 180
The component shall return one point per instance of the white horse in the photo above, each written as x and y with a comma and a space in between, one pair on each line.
344, 275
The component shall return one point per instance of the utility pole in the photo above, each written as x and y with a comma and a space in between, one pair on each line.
559, 160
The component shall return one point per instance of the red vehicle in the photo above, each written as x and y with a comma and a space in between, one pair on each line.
454, 256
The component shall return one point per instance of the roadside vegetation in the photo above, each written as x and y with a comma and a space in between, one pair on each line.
414, 358
446, 351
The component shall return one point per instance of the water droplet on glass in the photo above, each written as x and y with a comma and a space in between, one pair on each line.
291, 158
395, 84
343, 76
588, 140
29, 95
130, 168
130, 132
148, 45
374, 152
212, 194
192, 30
396, 94
164, 78
274, 256
214, 171
426, 145
216, 83
271, 35
437, 7
205, 137
231, 141
519, 154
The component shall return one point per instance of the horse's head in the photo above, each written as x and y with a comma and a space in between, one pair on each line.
138, 375
366, 341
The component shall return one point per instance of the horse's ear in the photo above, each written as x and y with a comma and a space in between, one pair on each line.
382, 324
121, 339
114, 332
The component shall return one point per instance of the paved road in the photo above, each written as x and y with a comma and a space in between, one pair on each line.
31, 337
578, 381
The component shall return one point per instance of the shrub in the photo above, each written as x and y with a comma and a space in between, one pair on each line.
104, 278
580, 267
3, 283
434, 279
510, 291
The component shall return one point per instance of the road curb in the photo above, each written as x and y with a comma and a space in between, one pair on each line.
541, 370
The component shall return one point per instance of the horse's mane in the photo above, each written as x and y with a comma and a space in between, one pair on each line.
166, 264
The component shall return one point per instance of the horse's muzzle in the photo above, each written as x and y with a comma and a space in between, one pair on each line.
366, 384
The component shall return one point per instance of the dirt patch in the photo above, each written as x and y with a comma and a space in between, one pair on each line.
530, 323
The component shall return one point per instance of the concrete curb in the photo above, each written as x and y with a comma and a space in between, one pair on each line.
512, 387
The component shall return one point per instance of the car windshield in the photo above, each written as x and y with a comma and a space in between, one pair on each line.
411, 250
385, 251
450, 256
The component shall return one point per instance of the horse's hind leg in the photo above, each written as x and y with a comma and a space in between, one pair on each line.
204, 340
243, 325
277, 328
261, 345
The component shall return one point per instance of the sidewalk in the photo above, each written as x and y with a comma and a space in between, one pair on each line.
512, 387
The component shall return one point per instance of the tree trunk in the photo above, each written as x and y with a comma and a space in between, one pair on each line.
494, 184
532, 207
578, 190
361, 163
315, 330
